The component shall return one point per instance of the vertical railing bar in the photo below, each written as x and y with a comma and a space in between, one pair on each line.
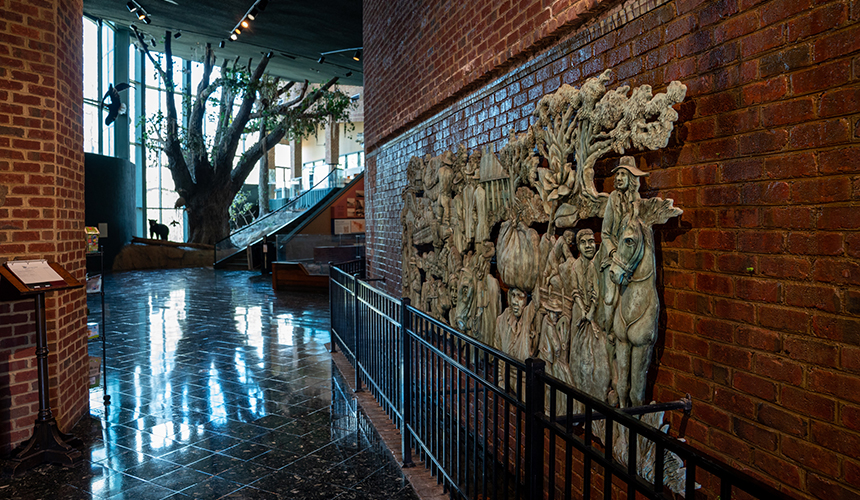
485, 434
725, 488
632, 454
446, 403
659, 465
506, 416
607, 454
405, 363
456, 423
435, 400
495, 431
690, 486
474, 409
586, 458
568, 456
356, 333
534, 431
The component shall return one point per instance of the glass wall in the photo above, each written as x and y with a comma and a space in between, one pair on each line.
156, 197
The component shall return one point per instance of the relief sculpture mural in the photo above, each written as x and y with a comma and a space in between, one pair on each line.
500, 246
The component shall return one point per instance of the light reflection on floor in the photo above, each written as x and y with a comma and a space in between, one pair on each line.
220, 388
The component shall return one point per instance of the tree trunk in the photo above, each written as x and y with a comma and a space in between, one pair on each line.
263, 186
209, 217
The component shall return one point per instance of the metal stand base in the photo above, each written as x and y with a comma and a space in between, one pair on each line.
46, 445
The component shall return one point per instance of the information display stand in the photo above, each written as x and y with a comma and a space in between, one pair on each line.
21, 280
95, 285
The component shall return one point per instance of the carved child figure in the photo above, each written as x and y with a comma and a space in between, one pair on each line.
514, 334
559, 254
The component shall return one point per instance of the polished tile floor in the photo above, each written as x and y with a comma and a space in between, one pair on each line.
220, 388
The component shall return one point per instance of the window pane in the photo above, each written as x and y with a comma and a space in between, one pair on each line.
91, 128
91, 60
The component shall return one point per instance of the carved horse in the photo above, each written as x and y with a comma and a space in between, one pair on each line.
634, 322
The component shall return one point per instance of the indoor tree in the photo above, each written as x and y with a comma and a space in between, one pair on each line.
206, 173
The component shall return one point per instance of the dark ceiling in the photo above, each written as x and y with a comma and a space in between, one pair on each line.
296, 31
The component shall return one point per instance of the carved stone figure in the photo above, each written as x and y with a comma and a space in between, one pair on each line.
634, 323
589, 357
489, 298
559, 254
622, 202
453, 297
515, 326
553, 347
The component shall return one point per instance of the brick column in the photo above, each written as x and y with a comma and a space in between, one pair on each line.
41, 205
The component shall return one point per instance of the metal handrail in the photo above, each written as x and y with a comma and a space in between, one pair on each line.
240, 239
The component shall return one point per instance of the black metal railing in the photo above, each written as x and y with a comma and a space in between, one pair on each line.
489, 426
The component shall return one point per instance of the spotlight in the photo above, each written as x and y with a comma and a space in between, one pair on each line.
244, 23
153, 42
321, 59
348, 74
146, 20
234, 37
253, 14
269, 54
141, 15
177, 34
131, 6
357, 55
237, 31
221, 44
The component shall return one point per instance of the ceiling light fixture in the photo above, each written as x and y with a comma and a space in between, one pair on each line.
132, 7
177, 34
234, 37
221, 44
356, 53
146, 19
252, 15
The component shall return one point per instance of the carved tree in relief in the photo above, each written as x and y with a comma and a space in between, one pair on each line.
590, 122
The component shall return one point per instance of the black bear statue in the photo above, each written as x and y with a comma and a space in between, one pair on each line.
157, 231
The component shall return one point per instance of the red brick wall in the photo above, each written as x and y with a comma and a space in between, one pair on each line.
761, 281
42, 212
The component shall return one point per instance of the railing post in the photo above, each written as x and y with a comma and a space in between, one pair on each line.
331, 302
356, 328
534, 427
405, 362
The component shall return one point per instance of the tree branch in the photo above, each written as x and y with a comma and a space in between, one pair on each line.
284, 108
253, 154
243, 115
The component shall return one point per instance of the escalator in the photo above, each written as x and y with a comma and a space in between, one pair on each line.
244, 248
